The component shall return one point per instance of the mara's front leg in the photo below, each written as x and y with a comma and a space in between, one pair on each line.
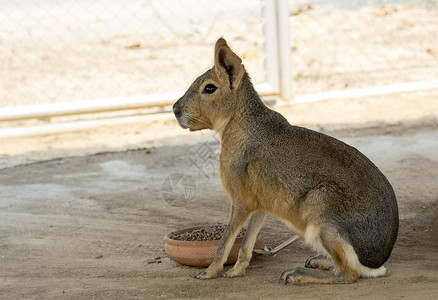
239, 214
245, 253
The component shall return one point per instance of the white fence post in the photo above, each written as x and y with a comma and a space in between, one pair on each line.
278, 63
271, 44
286, 79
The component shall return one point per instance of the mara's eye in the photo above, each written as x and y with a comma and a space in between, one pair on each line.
209, 89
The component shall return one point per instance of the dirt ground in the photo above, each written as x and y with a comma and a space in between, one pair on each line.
81, 214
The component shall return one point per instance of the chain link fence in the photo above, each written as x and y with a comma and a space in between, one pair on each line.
352, 44
58, 50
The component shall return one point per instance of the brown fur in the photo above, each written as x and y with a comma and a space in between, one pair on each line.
325, 190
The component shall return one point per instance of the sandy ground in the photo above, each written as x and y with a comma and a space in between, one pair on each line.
85, 226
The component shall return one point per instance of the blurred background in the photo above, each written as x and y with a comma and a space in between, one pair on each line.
63, 50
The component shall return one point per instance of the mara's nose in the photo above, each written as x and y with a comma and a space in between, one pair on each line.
177, 110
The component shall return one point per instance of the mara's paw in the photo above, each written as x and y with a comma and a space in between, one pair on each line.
234, 273
206, 275
303, 276
293, 276
321, 262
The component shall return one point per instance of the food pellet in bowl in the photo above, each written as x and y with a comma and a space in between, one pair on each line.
208, 233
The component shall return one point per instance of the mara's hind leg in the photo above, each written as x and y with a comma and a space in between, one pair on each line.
339, 272
322, 262
343, 272
303, 276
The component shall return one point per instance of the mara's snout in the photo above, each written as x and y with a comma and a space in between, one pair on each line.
177, 110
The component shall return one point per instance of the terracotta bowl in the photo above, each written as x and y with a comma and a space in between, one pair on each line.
199, 253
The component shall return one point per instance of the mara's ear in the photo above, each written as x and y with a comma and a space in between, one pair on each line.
228, 63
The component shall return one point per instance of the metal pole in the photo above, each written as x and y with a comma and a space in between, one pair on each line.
271, 44
285, 61
278, 62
